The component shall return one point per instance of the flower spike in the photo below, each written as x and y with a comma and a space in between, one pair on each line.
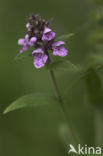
40, 37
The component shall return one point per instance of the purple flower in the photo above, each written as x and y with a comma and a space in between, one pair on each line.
32, 41
58, 49
39, 58
48, 34
42, 38
26, 43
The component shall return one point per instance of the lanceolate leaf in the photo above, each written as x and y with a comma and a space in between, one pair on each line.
32, 100
65, 37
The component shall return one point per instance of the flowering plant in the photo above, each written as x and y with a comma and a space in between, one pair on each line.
42, 39
43, 42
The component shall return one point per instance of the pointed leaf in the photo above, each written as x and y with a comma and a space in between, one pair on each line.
65, 37
32, 100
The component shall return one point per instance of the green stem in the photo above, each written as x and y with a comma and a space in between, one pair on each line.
62, 105
56, 89
52, 75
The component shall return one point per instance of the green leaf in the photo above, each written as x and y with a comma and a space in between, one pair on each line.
31, 100
65, 37
79, 75
20, 56
63, 65
94, 89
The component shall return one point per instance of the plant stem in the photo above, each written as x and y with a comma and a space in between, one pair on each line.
62, 105
56, 89
60, 100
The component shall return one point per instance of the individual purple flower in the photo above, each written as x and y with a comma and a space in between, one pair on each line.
58, 49
48, 34
32, 41
39, 58
24, 42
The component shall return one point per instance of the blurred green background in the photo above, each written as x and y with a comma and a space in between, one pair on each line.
34, 131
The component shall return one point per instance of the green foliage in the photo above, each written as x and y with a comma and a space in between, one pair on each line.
32, 100
25, 137
65, 37
63, 65
80, 75
93, 84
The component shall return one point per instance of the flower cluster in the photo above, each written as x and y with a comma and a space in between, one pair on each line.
40, 37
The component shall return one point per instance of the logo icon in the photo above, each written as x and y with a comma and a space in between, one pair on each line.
84, 150
72, 149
